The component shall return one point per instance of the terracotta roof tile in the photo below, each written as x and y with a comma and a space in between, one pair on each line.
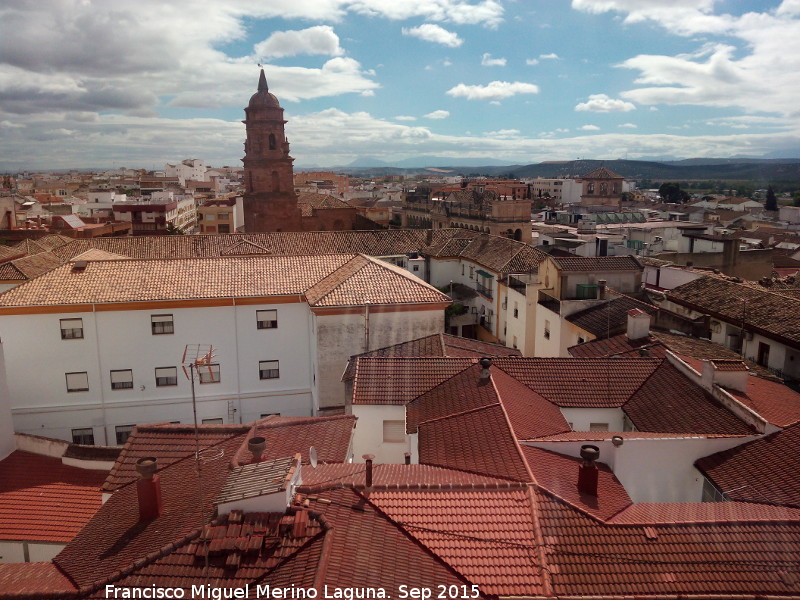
585, 557
669, 402
37, 264
763, 471
581, 382
8, 272
597, 264
32, 580
401, 379
775, 402
558, 475
610, 318
530, 414
43, 500
479, 441
488, 536
667, 513
775, 315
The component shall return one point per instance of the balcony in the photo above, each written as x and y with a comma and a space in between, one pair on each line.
550, 303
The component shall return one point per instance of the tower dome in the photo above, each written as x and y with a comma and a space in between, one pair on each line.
262, 98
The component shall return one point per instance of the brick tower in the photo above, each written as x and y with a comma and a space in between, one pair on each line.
270, 203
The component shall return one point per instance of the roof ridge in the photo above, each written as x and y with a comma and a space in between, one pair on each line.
347, 270
541, 553
473, 362
646, 379
511, 429
461, 414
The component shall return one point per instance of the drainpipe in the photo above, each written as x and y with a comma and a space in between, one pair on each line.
366, 326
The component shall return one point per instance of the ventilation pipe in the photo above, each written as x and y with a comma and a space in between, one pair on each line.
257, 445
588, 472
368, 458
486, 372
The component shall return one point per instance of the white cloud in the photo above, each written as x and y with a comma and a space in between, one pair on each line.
488, 61
434, 33
551, 56
628, 125
603, 104
461, 12
503, 133
496, 90
314, 40
531, 61
589, 128
405, 118
438, 114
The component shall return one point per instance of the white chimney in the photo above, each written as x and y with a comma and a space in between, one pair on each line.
728, 374
638, 324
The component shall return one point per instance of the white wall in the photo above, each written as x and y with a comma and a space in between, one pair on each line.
368, 434
15, 552
123, 340
7, 442
582, 418
653, 470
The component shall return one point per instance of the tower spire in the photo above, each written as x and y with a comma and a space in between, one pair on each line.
262, 82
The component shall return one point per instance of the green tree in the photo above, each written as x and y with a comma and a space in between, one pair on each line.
671, 192
772, 200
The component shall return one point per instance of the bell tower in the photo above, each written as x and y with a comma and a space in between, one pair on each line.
270, 203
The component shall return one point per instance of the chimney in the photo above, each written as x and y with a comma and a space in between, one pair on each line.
148, 489
256, 445
638, 324
486, 372
587, 473
408, 457
729, 374
368, 458
601, 289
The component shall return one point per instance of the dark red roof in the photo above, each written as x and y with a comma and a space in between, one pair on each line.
33, 580
597, 264
486, 535
610, 318
558, 475
398, 380
763, 471
480, 441
775, 402
599, 382
669, 402
44, 500
587, 557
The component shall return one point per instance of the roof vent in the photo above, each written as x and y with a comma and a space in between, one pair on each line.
257, 445
79, 266
486, 363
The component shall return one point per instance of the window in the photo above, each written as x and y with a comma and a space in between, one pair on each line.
472, 272
265, 415
394, 431
77, 382
162, 324
122, 379
71, 329
711, 493
515, 343
224, 228
581, 340
209, 373
416, 268
267, 319
598, 426
83, 436
547, 329
166, 376
268, 369
516, 310
217, 421
123, 433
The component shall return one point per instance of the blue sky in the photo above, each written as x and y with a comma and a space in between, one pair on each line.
118, 83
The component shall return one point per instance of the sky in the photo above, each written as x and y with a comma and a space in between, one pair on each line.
113, 83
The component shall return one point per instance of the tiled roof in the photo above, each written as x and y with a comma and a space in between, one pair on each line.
256, 479
8, 272
43, 500
665, 513
669, 402
773, 314
497, 253
574, 382
775, 402
373, 243
488, 536
763, 471
320, 201
401, 379
530, 414
558, 475
364, 279
479, 441
602, 173
607, 319
398, 477
8, 253
438, 344
585, 557
168, 443
597, 264
115, 537
37, 264
143, 280
32, 580
28, 246
596, 436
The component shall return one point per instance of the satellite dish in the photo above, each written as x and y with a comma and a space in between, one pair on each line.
312, 457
